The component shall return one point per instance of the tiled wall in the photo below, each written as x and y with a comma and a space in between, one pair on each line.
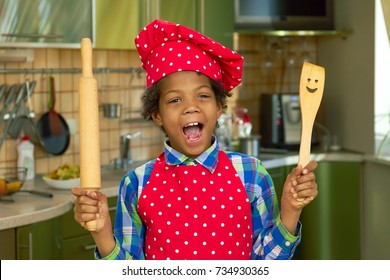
272, 65
125, 88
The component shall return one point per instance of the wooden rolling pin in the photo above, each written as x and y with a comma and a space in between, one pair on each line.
89, 125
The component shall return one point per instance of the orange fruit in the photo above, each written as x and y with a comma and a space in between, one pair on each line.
14, 186
3, 187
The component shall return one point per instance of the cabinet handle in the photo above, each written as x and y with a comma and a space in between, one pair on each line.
31, 35
147, 12
89, 247
30, 245
202, 29
157, 9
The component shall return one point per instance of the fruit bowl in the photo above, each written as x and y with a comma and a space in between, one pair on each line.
11, 179
64, 177
62, 184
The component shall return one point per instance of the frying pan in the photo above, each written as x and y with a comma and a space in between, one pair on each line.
54, 142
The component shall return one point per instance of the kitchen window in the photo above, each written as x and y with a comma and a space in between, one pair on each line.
382, 85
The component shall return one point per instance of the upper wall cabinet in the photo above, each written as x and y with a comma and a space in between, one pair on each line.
110, 24
213, 18
117, 23
45, 23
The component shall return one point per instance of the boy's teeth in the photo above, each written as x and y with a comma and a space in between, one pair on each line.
192, 124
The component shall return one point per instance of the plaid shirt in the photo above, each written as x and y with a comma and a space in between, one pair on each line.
271, 240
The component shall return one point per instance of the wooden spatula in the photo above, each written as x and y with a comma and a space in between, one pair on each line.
89, 125
311, 89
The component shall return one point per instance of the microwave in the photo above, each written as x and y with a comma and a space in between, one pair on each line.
284, 14
280, 121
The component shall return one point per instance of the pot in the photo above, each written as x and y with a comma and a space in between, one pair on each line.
112, 110
250, 145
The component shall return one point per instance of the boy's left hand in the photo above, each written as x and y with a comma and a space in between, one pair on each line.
300, 187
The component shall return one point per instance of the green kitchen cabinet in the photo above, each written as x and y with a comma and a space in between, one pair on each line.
7, 244
117, 24
217, 19
45, 23
376, 227
77, 242
39, 241
213, 18
331, 223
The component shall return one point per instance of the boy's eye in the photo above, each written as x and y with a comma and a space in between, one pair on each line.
174, 100
204, 95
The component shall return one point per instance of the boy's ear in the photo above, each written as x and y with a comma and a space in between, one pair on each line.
156, 118
219, 110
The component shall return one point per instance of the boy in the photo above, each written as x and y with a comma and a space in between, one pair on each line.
195, 201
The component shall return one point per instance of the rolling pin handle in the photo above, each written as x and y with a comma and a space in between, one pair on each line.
86, 58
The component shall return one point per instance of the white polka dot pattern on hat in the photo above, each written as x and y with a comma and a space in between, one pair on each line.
194, 52
204, 215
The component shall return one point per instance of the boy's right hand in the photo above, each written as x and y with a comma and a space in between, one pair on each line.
91, 205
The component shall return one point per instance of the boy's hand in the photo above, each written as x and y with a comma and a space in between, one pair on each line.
90, 205
300, 187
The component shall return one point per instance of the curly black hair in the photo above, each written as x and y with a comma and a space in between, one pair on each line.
151, 96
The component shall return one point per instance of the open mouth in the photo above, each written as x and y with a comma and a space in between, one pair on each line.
193, 130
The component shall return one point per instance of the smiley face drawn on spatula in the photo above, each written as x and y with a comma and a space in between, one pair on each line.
312, 79
312, 85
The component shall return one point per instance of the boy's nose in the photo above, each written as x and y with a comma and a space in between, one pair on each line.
191, 108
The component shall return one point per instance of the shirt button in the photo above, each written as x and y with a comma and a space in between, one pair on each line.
287, 243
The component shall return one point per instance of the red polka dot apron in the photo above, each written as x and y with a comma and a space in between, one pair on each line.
190, 213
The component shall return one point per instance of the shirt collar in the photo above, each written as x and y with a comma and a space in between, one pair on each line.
208, 159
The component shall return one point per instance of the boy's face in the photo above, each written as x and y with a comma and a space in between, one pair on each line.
188, 111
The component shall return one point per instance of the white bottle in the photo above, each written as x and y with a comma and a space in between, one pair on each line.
26, 156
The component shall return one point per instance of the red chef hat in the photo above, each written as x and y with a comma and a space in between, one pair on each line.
165, 47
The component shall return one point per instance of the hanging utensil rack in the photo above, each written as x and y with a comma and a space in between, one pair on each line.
134, 70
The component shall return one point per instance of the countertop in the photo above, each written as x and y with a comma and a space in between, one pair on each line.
26, 208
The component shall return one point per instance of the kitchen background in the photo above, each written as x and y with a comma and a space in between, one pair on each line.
127, 88
272, 65
114, 88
